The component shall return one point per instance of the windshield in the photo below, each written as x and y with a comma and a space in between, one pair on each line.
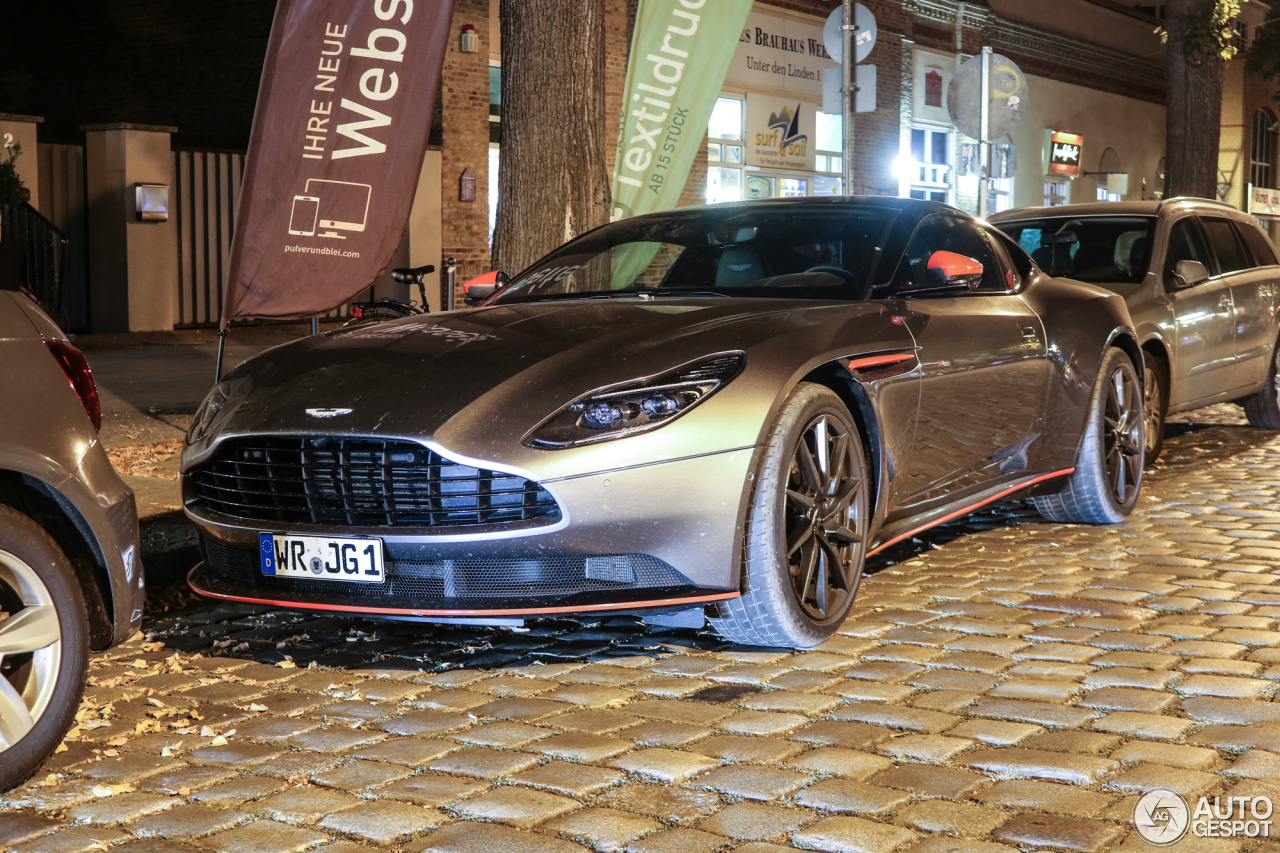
789, 251
1087, 248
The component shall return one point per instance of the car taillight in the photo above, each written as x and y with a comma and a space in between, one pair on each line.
73, 364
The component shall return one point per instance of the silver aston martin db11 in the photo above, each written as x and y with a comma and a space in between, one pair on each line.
711, 413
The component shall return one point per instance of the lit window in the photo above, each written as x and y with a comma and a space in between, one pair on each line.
726, 120
930, 161
1055, 193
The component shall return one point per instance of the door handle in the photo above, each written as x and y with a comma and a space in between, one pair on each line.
1029, 333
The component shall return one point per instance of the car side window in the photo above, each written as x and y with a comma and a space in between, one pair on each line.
1264, 254
1185, 244
1226, 246
943, 232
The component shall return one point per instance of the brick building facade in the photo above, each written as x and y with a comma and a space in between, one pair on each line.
1093, 68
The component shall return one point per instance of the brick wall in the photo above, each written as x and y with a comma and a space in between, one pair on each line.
465, 96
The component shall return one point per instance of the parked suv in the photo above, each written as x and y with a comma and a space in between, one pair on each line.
70, 573
1202, 284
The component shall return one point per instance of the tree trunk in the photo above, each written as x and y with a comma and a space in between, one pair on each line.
1194, 115
552, 183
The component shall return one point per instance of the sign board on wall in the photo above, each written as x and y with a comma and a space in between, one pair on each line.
1062, 153
1264, 202
777, 52
931, 76
781, 132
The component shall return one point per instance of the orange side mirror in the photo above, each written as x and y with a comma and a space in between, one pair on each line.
949, 268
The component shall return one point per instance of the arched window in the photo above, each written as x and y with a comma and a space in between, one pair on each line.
1263, 155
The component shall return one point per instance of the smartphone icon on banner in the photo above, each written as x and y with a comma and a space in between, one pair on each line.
305, 215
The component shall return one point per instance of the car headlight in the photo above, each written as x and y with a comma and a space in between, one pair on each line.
635, 407
209, 408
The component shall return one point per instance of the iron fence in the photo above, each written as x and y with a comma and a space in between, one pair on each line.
41, 255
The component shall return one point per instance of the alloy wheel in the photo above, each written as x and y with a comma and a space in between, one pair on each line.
30, 648
1123, 447
1152, 401
825, 505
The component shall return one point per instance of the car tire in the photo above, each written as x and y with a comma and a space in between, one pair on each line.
1155, 402
1108, 477
43, 680
803, 553
1263, 408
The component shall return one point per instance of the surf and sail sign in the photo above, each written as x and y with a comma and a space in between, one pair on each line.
780, 132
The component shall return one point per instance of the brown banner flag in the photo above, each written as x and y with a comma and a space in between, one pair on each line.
344, 109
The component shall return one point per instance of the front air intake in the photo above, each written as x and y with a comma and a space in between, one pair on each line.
362, 482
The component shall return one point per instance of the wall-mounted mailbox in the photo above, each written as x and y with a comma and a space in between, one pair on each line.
151, 202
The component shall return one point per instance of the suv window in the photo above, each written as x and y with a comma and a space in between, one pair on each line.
1226, 246
1264, 254
1185, 244
943, 232
1088, 248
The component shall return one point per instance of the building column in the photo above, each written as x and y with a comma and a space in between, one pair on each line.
133, 264
21, 130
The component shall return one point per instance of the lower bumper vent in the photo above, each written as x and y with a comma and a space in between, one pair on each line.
459, 584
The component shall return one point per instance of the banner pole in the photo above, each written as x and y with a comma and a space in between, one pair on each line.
850, 90
222, 348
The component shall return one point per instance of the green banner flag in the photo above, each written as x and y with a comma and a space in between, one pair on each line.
680, 54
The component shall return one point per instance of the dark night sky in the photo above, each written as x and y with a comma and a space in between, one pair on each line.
193, 64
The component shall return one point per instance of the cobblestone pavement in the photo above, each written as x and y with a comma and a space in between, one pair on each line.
1002, 684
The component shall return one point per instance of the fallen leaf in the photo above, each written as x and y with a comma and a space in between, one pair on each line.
287, 664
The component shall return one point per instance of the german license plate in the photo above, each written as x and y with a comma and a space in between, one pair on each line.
322, 558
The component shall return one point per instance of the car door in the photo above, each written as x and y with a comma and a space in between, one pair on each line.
1253, 296
1204, 328
983, 367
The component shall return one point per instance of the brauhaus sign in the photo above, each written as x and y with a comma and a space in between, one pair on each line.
344, 109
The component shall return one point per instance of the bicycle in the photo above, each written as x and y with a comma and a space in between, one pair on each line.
387, 308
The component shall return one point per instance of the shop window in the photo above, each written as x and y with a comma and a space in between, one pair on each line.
1106, 195
726, 120
933, 89
1263, 154
1055, 193
730, 179
493, 191
999, 195
930, 163
495, 91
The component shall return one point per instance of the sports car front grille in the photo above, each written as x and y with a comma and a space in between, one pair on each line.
490, 583
362, 481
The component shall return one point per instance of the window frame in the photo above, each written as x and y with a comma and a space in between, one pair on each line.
899, 290
1243, 229
1241, 247
1166, 270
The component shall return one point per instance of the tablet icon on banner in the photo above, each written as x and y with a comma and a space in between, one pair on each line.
325, 208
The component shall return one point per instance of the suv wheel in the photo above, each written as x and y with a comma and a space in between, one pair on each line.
1154, 401
44, 646
1263, 408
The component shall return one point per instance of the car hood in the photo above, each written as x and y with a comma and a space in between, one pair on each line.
477, 381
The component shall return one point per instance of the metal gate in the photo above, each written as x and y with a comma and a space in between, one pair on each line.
207, 189
62, 201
